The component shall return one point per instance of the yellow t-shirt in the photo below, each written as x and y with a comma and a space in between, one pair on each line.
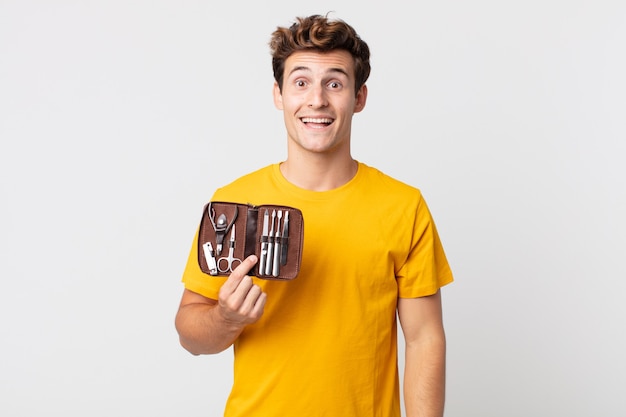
327, 342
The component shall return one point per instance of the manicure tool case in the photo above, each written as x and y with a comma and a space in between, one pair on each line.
230, 232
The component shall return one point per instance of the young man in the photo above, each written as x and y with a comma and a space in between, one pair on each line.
325, 343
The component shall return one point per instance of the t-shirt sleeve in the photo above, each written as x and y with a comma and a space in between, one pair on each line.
197, 281
426, 268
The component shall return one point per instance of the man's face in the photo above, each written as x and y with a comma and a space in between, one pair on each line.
318, 100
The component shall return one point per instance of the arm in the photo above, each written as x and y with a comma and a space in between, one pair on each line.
424, 372
208, 326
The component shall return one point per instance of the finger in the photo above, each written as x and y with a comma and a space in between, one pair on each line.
238, 297
253, 306
250, 298
238, 273
259, 306
243, 301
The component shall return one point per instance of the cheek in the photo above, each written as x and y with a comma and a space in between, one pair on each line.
291, 104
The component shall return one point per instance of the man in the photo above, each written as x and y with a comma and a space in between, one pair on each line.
325, 343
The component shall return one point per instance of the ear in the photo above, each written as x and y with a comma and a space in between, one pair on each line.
278, 97
361, 98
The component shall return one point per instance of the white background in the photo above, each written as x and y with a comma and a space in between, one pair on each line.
118, 119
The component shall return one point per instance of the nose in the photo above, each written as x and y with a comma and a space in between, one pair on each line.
317, 97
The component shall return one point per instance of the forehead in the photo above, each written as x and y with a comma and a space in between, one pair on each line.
338, 61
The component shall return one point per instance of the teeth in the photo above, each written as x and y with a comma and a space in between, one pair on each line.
312, 120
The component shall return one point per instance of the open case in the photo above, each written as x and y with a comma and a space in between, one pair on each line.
230, 232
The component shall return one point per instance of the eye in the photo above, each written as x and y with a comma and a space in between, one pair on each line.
300, 83
334, 85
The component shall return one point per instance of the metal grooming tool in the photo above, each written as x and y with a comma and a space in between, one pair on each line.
264, 238
221, 227
230, 261
209, 255
276, 260
220, 231
270, 249
285, 239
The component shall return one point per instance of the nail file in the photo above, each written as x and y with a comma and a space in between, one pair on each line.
285, 239
264, 239
270, 248
276, 261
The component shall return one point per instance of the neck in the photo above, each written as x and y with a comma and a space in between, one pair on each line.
319, 174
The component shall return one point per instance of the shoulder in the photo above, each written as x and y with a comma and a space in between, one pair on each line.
252, 177
245, 186
390, 187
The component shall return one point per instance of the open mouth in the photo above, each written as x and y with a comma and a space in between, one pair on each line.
317, 121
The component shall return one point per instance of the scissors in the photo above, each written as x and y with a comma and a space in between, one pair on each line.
230, 262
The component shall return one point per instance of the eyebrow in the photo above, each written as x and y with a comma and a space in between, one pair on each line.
330, 70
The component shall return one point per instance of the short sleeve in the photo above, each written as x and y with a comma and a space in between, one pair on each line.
426, 268
197, 281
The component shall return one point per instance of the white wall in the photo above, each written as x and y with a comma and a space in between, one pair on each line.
117, 120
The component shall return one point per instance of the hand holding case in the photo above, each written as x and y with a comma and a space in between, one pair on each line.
230, 232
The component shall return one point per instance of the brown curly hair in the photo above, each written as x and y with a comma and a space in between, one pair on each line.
321, 34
